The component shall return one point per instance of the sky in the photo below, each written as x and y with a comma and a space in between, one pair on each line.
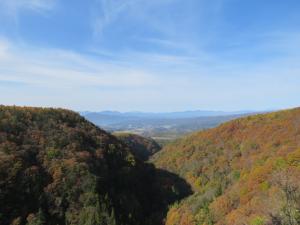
150, 55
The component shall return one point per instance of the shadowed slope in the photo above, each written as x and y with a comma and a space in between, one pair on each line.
140, 146
57, 168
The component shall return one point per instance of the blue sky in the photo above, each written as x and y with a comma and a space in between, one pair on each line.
158, 55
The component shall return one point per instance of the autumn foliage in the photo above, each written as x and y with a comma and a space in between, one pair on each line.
243, 172
57, 168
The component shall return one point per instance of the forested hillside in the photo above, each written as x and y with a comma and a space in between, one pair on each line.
57, 168
243, 172
141, 147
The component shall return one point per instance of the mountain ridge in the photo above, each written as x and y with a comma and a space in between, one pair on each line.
161, 127
173, 115
57, 168
238, 170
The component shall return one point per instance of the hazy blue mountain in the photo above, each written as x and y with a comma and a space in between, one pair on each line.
166, 115
160, 125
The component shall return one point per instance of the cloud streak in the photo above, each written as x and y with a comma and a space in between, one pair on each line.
106, 11
12, 8
46, 67
56, 77
158, 55
4, 46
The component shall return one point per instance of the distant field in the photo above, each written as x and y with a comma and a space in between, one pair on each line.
163, 128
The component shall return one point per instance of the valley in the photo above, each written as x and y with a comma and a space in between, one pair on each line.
162, 127
57, 168
149, 112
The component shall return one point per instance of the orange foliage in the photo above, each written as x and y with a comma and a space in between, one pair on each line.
257, 147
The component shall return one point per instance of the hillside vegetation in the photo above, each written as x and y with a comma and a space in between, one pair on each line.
57, 168
140, 146
244, 172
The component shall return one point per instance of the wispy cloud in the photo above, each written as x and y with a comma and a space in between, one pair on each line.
4, 46
12, 8
48, 77
106, 11
56, 77
44, 67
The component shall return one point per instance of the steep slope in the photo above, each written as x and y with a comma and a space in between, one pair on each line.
141, 147
56, 168
243, 172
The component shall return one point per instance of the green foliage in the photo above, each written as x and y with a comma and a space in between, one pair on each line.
257, 221
280, 163
236, 175
53, 153
38, 219
95, 215
264, 186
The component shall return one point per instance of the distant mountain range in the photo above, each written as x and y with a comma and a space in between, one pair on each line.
164, 115
161, 125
